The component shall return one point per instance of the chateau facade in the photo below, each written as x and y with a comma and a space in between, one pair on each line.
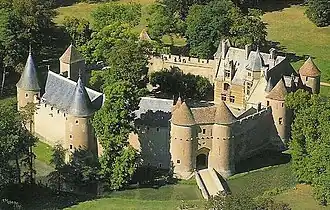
64, 107
248, 114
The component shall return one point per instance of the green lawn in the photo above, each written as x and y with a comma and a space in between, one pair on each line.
166, 197
43, 152
325, 91
296, 34
300, 198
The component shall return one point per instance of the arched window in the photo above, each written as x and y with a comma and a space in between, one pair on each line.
226, 86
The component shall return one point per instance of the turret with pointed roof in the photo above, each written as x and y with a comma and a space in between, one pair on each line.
71, 55
223, 115
183, 116
81, 105
256, 61
29, 79
28, 89
309, 69
278, 92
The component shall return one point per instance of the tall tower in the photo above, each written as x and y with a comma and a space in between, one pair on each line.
281, 115
310, 76
71, 62
28, 88
78, 127
183, 143
222, 152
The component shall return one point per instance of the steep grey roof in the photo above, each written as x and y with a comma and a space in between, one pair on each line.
154, 111
29, 79
256, 62
60, 90
80, 105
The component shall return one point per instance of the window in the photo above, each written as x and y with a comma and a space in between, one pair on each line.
51, 108
70, 136
232, 99
282, 104
26, 95
160, 165
77, 122
204, 131
178, 161
211, 132
227, 73
306, 78
280, 120
157, 129
226, 86
58, 111
267, 103
71, 146
223, 97
248, 88
147, 128
249, 74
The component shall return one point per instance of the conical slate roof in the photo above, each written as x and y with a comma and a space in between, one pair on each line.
81, 105
278, 92
144, 35
29, 79
256, 61
223, 115
270, 85
309, 69
183, 116
71, 55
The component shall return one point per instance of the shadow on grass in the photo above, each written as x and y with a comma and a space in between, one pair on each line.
276, 5
38, 197
267, 158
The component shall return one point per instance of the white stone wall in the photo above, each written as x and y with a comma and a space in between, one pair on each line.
49, 124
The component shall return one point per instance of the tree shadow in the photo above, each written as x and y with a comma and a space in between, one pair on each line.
272, 5
37, 197
264, 159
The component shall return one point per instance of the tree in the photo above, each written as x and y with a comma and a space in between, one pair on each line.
109, 13
57, 178
162, 22
79, 30
318, 11
310, 144
174, 82
208, 24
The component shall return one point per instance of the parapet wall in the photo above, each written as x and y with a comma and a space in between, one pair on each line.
252, 133
195, 66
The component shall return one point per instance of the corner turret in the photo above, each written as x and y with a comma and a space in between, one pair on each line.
310, 76
222, 153
71, 62
28, 89
79, 131
281, 115
183, 141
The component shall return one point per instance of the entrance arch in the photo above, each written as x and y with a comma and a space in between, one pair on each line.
202, 158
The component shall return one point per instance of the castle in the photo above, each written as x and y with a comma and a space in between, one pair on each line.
248, 114
64, 107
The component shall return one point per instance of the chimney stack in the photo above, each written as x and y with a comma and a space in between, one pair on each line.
247, 51
272, 53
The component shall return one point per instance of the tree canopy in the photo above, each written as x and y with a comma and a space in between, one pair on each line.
318, 11
310, 144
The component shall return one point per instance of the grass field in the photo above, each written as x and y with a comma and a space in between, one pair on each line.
166, 197
296, 34
300, 198
43, 152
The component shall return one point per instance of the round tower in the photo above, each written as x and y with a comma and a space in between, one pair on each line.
28, 88
222, 152
183, 143
310, 76
78, 127
281, 115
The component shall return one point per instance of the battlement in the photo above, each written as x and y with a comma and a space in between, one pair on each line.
51, 110
254, 116
183, 60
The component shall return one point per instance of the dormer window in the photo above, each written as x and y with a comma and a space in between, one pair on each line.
227, 73
226, 86
249, 74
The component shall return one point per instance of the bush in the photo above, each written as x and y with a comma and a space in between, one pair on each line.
318, 12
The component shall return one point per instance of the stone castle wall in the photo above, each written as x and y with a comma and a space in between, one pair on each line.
49, 124
195, 66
